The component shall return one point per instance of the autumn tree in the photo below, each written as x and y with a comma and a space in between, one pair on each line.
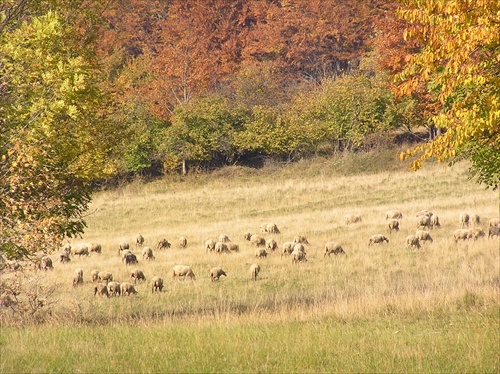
458, 61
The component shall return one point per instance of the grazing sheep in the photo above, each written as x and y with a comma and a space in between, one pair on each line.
130, 258
78, 277
476, 233
182, 271
128, 289
232, 247
247, 236
139, 241
254, 270
287, 248
412, 242
221, 247
210, 245
156, 284
461, 234
298, 256
81, 250
162, 244
424, 213
260, 253
464, 220
101, 289
216, 273
493, 231
258, 240
137, 274
299, 247
475, 219
272, 228
332, 247
147, 253
271, 244
122, 246
423, 222
183, 242
223, 238
94, 275
114, 289
64, 257
393, 214
351, 218
377, 239
67, 248
95, 247
393, 225
494, 222
46, 263
105, 276
423, 235
435, 221
300, 239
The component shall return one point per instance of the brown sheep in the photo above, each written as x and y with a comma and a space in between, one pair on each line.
162, 244
493, 231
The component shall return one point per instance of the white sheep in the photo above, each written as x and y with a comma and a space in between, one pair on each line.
147, 253
423, 236
162, 244
81, 250
183, 242
105, 276
377, 239
423, 222
101, 289
64, 257
78, 277
412, 242
224, 238
435, 221
298, 256
122, 246
271, 244
216, 272
476, 233
461, 234
393, 224
299, 247
352, 218
94, 275
210, 245
156, 284
139, 241
182, 271
232, 247
287, 248
221, 247
114, 289
254, 271
137, 274
127, 289
272, 228
393, 214
260, 253
94, 247
475, 219
332, 247
300, 239
258, 240
464, 220
494, 222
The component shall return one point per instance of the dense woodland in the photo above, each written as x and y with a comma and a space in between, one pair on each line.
91, 90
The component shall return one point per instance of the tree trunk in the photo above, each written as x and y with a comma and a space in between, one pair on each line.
184, 168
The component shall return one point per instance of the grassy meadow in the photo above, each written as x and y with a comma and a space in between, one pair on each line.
382, 308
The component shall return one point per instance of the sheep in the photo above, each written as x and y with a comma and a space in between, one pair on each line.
130, 258
393, 214
476, 233
377, 239
128, 289
412, 242
156, 284
94, 247
493, 231
393, 225
232, 247
216, 273
78, 277
332, 247
351, 218
423, 222
147, 253
101, 289
94, 275
435, 221
210, 245
221, 247
262, 228
224, 238
81, 250
258, 240
299, 247
183, 242
122, 246
424, 213
271, 244
423, 235
475, 219
461, 234
247, 236
67, 248
64, 257
298, 256
162, 244
46, 263
272, 228
464, 220
182, 271
494, 222
139, 241
300, 239
114, 289
260, 253
105, 276
137, 274
254, 271
287, 248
